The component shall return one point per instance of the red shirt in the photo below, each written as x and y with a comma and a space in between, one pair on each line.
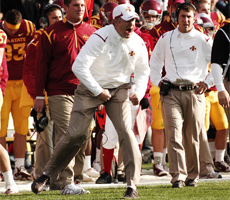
58, 48
149, 45
16, 48
3, 69
218, 17
30, 64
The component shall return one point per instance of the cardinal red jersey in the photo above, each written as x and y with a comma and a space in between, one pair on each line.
218, 17
16, 48
96, 22
227, 21
58, 48
3, 69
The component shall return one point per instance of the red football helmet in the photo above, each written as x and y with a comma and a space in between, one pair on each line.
147, 9
105, 12
207, 24
118, 1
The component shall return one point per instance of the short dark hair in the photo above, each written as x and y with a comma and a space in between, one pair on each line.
67, 2
13, 17
51, 8
186, 7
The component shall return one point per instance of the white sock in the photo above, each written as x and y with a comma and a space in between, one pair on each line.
9, 179
158, 157
219, 155
87, 163
212, 148
164, 156
132, 186
98, 155
19, 162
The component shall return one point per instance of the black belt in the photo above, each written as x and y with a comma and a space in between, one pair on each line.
185, 87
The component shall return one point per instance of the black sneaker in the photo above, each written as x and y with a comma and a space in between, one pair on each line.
191, 183
178, 184
39, 184
130, 193
222, 166
121, 177
104, 178
227, 159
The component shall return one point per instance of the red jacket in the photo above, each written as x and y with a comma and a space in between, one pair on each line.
58, 48
30, 64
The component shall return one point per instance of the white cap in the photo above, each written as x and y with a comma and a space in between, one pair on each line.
125, 11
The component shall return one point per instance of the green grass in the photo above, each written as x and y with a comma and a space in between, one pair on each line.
148, 166
210, 190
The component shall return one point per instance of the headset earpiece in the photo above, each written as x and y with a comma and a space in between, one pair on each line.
44, 21
41, 123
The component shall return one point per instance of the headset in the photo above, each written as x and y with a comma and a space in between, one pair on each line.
44, 21
41, 123
183, 6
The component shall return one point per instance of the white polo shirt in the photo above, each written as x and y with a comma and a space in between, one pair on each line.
107, 61
185, 56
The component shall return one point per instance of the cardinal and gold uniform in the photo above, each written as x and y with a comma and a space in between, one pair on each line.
15, 51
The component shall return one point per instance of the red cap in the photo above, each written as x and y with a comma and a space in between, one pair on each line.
173, 2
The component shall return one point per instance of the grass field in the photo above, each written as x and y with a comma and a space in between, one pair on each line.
211, 190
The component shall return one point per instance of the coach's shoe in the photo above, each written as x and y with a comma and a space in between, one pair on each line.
227, 159
213, 174
104, 178
84, 191
222, 166
178, 184
39, 184
191, 183
159, 170
73, 189
130, 193
21, 174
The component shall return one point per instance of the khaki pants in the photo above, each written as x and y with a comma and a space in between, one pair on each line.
183, 115
118, 110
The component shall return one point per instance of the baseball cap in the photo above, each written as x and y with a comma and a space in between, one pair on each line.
125, 11
173, 2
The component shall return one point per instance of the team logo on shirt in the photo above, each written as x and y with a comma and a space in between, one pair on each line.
86, 37
131, 53
193, 48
